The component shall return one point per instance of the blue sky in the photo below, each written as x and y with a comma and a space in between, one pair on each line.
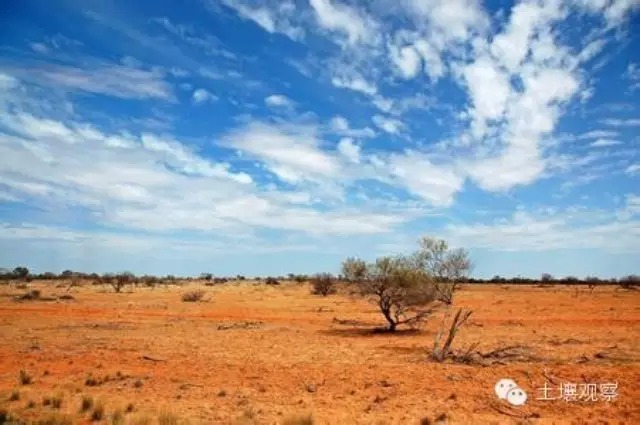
267, 137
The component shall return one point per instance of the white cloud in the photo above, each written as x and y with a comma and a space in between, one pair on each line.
407, 60
354, 82
278, 100
527, 18
420, 176
596, 134
382, 103
633, 169
349, 150
344, 19
449, 20
489, 89
159, 184
40, 48
411, 55
433, 65
203, 96
544, 231
274, 17
617, 122
601, 143
633, 75
293, 154
123, 81
389, 125
340, 125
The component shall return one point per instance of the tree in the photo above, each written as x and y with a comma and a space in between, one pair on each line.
448, 268
121, 280
323, 284
21, 272
546, 278
206, 276
401, 290
629, 282
354, 269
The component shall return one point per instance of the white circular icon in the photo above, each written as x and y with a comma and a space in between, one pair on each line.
517, 396
503, 386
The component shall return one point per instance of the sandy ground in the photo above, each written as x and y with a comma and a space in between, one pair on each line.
204, 363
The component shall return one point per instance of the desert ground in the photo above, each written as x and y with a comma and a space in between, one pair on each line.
256, 354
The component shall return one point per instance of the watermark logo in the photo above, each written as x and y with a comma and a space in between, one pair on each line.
572, 392
507, 389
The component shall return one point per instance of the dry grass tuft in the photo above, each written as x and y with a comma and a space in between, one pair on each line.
193, 296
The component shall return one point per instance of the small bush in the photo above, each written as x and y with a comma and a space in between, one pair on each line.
86, 404
30, 404
34, 294
130, 408
138, 384
56, 401
91, 381
299, 420
98, 411
272, 281
25, 378
193, 296
323, 284
15, 396
629, 282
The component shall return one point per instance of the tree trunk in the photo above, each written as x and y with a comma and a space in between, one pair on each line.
387, 315
436, 353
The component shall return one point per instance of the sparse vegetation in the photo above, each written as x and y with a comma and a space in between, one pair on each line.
86, 403
408, 289
193, 296
323, 284
24, 378
34, 294
56, 401
91, 381
354, 269
403, 293
119, 281
97, 414
629, 282
271, 281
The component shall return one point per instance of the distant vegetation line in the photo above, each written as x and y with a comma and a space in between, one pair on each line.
23, 273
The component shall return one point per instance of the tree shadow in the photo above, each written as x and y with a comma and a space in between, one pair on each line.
371, 332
